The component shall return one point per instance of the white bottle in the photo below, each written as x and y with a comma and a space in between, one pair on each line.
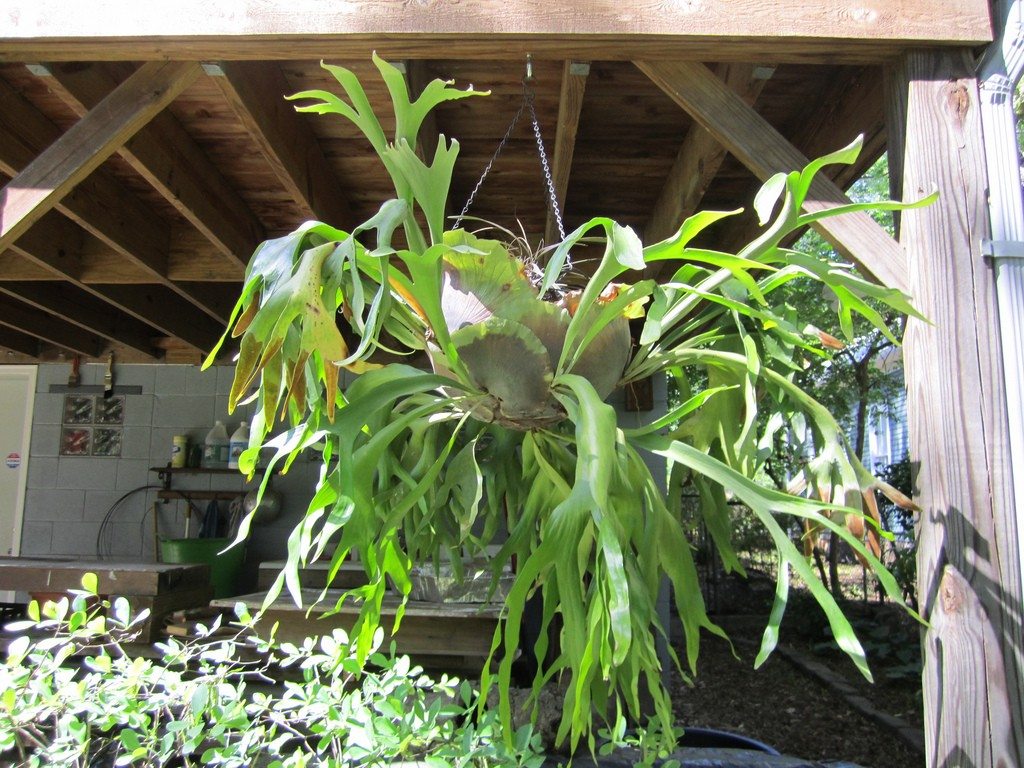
239, 442
215, 447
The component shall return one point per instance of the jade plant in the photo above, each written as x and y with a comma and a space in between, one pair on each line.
494, 436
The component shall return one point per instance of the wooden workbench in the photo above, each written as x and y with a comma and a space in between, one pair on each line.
439, 636
158, 587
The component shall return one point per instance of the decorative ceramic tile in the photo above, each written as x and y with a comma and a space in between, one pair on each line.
77, 409
75, 441
110, 410
106, 441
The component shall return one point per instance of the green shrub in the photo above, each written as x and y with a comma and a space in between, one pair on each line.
72, 696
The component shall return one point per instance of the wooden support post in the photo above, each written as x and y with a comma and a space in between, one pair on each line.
570, 104
968, 563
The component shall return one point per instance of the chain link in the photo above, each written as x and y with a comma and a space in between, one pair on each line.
487, 168
549, 183
552, 198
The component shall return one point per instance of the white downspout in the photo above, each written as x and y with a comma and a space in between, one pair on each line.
999, 72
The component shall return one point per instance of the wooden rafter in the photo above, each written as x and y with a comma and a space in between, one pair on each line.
19, 342
256, 92
55, 244
100, 204
167, 312
699, 158
137, 306
570, 103
21, 317
15, 267
80, 151
765, 152
79, 308
44, 30
166, 155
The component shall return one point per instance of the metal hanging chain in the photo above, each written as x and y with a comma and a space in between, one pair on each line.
552, 198
487, 168
527, 103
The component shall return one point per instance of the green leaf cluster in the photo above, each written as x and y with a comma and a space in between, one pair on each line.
506, 447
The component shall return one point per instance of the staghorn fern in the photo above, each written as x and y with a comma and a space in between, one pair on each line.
510, 433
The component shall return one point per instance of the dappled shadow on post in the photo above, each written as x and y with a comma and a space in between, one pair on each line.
974, 647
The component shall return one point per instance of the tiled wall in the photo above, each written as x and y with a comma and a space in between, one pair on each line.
67, 497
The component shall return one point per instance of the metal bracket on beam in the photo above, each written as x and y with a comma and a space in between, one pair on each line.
39, 70
1002, 249
579, 68
212, 68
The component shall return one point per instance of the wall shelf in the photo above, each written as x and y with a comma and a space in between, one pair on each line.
166, 474
199, 495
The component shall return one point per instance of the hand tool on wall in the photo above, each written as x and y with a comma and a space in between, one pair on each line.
108, 377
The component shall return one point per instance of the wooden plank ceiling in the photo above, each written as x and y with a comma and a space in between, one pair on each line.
135, 189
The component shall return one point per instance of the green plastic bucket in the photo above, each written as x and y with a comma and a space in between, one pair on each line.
224, 567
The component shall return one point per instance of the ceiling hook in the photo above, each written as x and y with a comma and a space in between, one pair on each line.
529, 69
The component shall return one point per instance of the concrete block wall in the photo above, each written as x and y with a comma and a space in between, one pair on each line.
67, 497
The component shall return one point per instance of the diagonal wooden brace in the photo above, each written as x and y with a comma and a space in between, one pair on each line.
762, 149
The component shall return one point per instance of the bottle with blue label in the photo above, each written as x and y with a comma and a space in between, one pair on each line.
239, 442
215, 447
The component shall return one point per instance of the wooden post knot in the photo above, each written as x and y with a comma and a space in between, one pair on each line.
951, 592
958, 100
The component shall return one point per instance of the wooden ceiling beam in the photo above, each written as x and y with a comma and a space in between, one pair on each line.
762, 149
570, 104
99, 204
175, 318
35, 30
166, 155
43, 325
482, 47
13, 266
81, 309
256, 92
699, 158
83, 148
167, 312
19, 342
55, 243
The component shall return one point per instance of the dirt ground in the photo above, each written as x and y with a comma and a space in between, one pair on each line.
782, 706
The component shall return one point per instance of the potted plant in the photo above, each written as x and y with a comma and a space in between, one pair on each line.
506, 438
